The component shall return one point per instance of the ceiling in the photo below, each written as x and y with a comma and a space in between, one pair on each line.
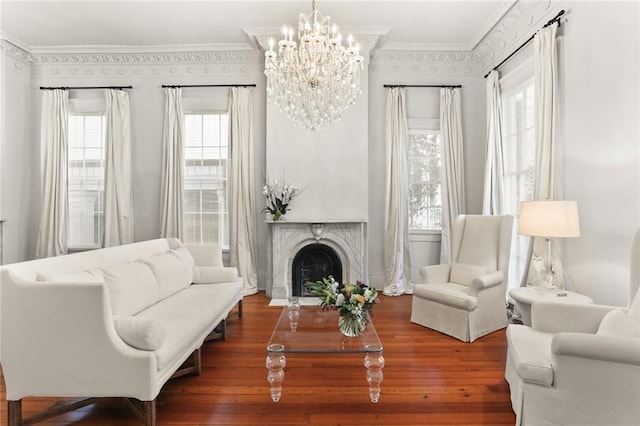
442, 24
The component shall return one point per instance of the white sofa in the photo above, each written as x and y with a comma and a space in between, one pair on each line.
114, 322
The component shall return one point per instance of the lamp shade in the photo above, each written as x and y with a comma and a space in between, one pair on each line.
549, 219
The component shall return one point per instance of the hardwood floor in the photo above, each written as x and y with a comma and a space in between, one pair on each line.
429, 379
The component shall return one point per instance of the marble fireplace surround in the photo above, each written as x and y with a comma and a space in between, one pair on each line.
286, 238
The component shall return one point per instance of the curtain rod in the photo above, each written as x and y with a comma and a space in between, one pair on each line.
457, 86
81, 88
176, 86
555, 19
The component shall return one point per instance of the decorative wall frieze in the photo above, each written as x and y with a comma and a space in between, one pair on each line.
16, 52
149, 58
422, 56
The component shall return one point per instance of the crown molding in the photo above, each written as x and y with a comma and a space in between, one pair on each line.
368, 37
423, 56
493, 20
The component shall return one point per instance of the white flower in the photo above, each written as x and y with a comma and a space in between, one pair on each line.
340, 300
367, 295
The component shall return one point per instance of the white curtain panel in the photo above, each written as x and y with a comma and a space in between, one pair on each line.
546, 82
52, 235
172, 165
118, 183
452, 166
397, 257
493, 202
242, 221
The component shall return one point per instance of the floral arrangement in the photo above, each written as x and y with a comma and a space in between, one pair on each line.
279, 195
352, 300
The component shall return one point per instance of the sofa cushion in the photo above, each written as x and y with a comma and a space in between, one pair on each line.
142, 333
90, 276
530, 351
184, 255
189, 316
169, 272
213, 274
461, 273
617, 323
132, 287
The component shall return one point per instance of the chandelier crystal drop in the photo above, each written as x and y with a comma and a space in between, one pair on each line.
316, 78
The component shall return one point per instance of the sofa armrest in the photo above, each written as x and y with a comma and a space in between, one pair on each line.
434, 274
46, 327
556, 317
487, 280
214, 275
596, 347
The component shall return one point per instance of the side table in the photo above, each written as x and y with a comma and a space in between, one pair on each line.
525, 296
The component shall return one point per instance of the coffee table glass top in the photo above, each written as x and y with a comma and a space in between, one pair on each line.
309, 329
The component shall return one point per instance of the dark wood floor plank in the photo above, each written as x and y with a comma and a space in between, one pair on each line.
429, 378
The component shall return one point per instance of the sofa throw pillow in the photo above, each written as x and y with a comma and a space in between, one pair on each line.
132, 287
617, 323
184, 255
461, 273
142, 333
169, 272
214, 274
89, 276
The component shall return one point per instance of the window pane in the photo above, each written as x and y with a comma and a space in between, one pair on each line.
205, 179
425, 199
85, 168
519, 166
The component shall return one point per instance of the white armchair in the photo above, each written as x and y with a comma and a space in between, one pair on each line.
466, 298
578, 364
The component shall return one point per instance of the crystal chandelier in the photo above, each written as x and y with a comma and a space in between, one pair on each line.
316, 78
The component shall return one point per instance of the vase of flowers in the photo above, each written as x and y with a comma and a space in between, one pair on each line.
352, 301
279, 195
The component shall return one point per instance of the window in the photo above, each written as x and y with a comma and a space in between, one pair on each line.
425, 177
206, 216
519, 165
86, 159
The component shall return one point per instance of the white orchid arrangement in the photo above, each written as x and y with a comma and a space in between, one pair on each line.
279, 195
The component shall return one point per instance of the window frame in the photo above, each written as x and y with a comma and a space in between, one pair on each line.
420, 125
86, 103
198, 107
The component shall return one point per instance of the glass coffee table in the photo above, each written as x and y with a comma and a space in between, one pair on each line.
310, 330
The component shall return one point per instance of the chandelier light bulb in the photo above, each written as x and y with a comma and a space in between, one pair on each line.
315, 80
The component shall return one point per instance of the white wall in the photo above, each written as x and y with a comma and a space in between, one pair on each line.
19, 163
600, 139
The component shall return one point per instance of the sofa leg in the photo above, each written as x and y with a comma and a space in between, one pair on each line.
150, 413
192, 365
14, 412
240, 309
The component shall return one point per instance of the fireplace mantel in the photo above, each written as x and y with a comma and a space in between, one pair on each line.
347, 237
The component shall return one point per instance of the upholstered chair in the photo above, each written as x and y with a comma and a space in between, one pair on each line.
578, 364
466, 298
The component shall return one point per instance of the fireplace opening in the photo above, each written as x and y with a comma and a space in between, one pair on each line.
312, 263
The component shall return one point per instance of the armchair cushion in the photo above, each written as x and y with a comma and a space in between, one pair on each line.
451, 294
619, 324
462, 273
530, 352
143, 333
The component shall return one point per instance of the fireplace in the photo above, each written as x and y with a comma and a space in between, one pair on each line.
301, 251
312, 263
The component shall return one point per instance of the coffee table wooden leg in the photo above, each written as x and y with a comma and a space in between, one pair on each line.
276, 361
374, 362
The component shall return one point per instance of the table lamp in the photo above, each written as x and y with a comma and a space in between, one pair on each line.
549, 219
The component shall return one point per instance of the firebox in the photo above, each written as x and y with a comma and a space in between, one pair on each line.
312, 263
